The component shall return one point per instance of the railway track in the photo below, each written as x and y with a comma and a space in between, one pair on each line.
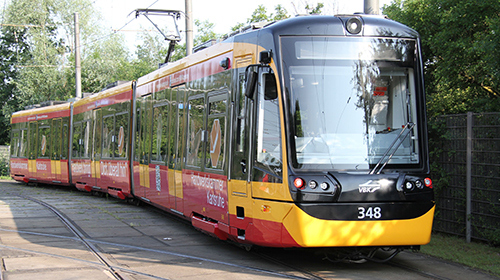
116, 271
201, 253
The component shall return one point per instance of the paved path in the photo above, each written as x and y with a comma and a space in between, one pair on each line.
111, 239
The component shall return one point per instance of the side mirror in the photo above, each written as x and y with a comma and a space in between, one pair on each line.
250, 84
265, 56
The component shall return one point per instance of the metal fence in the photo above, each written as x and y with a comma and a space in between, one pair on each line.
467, 170
4, 152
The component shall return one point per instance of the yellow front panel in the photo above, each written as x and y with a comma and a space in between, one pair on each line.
272, 211
237, 187
312, 232
275, 191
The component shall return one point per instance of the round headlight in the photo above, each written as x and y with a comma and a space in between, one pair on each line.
419, 184
354, 25
313, 184
408, 186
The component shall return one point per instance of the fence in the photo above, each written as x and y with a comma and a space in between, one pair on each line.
4, 152
467, 169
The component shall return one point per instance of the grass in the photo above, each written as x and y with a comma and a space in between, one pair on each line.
475, 255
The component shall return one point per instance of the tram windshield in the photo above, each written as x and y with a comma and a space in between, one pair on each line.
352, 102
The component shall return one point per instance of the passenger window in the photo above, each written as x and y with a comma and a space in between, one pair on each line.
14, 143
216, 130
85, 141
107, 136
196, 134
24, 143
159, 146
43, 140
121, 135
65, 137
56, 140
268, 134
77, 135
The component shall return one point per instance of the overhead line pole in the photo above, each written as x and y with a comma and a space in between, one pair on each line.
78, 67
371, 7
189, 27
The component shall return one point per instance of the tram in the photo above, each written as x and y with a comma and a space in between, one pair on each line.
307, 132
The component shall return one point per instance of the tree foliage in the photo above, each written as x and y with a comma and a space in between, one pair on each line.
260, 14
461, 46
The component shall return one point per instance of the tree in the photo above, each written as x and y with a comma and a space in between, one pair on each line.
461, 46
260, 14
315, 10
14, 50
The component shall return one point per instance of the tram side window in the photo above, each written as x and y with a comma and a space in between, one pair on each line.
121, 137
23, 142
137, 144
56, 139
159, 131
65, 137
216, 128
172, 126
107, 136
85, 143
32, 138
196, 113
14, 143
241, 107
97, 131
44, 139
145, 129
268, 134
77, 138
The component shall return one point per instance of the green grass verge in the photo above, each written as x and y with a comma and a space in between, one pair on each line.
475, 255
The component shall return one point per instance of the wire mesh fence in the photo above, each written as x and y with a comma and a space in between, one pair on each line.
467, 167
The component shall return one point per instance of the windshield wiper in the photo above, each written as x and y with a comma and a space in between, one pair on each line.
383, 160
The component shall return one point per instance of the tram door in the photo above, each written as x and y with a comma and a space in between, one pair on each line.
241, 134
33, 147
145, 144
56, 155
96, 146
176, 145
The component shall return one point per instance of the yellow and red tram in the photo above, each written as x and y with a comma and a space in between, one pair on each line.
308, 132
39, 144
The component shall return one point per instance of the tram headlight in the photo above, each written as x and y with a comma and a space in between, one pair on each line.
313, 184
419, 184
408, 186
324, 186
354, 25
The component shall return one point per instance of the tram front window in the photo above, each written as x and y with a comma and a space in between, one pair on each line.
350, 99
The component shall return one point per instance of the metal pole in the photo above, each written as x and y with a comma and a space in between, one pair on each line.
371, 7
468, 195
189, 27
78, 67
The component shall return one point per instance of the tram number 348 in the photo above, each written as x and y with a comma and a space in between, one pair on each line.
369, 213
